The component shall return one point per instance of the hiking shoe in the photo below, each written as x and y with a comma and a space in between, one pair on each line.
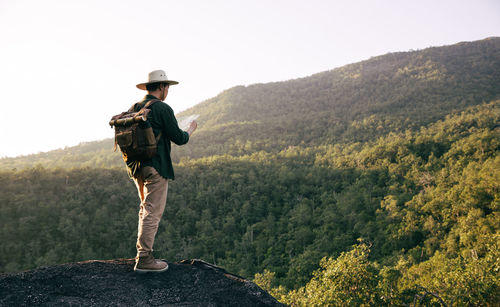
149, 264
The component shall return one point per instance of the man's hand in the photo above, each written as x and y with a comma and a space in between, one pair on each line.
192, 127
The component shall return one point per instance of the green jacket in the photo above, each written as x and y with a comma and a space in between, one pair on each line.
162, 119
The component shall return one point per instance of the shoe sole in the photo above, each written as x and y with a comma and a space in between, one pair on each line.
150, 271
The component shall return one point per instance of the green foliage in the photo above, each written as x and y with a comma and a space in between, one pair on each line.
440, 215
353, 280
463, 281
349, 280
56, 216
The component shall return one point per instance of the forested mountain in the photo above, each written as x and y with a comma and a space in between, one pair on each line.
372, 184
354, 103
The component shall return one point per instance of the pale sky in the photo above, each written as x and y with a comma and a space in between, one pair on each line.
67, 66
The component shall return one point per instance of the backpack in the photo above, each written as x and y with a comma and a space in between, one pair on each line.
134, 134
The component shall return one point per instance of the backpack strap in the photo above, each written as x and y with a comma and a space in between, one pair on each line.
150, 103
147, 105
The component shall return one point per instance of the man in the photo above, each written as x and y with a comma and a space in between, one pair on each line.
151, 177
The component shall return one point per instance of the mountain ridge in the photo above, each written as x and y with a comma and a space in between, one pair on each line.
386, 93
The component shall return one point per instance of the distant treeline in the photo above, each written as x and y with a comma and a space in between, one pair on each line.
380, 222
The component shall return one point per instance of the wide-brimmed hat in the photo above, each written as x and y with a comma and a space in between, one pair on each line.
156, 77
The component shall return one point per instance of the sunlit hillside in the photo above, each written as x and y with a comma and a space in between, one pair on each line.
354, 103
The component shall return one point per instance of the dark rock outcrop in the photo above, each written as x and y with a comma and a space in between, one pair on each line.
113, 283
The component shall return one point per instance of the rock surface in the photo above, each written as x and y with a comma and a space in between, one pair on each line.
113, 283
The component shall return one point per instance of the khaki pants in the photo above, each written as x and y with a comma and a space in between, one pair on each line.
152, 188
